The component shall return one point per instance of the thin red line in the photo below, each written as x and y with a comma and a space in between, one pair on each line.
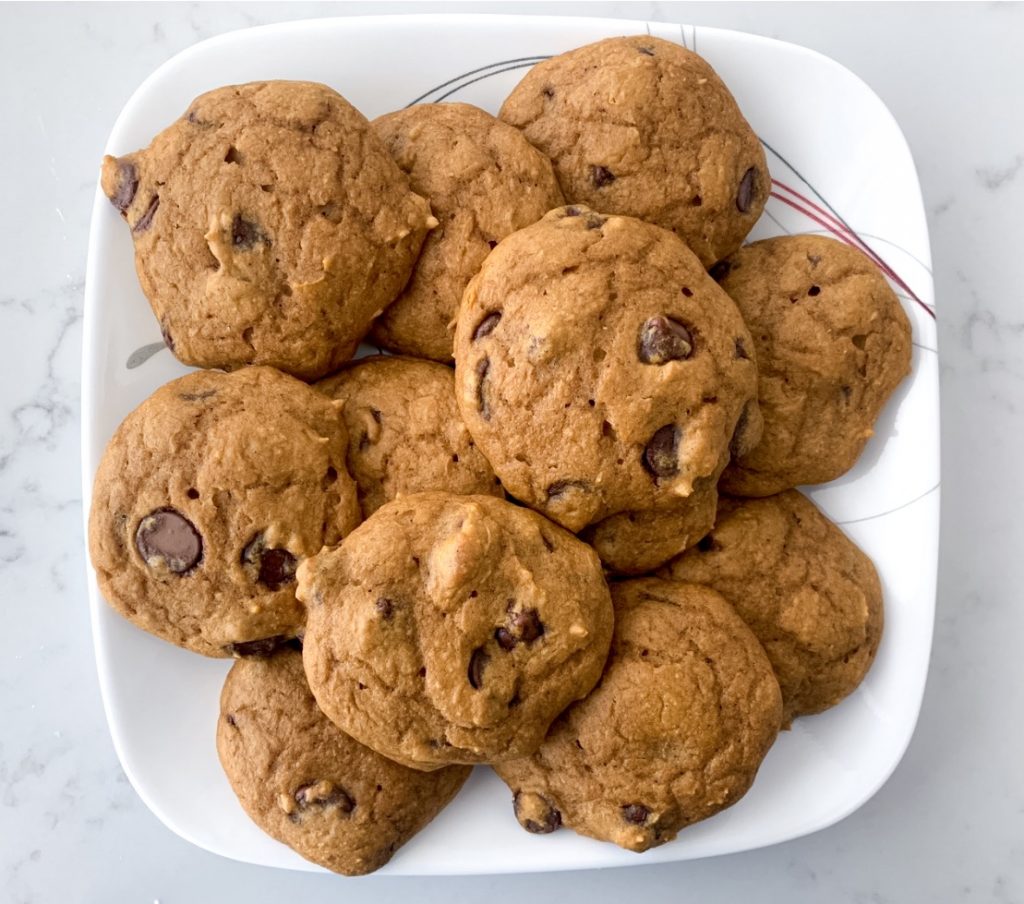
845, 236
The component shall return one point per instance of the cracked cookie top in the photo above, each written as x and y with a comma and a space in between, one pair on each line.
643, 127
674, 732
807, 592
405, 433
308, 784
484, 181
453, 629
208, 497
270, 227
832, 342
600, 369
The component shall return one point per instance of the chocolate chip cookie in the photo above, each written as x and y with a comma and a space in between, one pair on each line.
832, 341
674, 732
600, 369
206, 500
484, 181
637, 542
809, 594
405, 434
309, 785
643, 127
453, 629
270, 227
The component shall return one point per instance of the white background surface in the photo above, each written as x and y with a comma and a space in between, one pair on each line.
948, 826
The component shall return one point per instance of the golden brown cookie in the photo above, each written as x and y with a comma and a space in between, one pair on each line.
600, 369
633, 543
405, 433
832, 341
643, 127
270, 227
484, 181
309, 785
206, 500
453, 629
674, 732
809, 594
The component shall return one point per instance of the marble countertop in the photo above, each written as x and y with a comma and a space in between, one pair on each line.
948, 826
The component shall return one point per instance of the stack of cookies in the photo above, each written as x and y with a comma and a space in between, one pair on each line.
523, 560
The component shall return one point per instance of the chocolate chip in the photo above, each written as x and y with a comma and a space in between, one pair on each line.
230, 719
661, 453
143, 223
696, 200
601, 176
323, 795
687, 291
192, 493
594, 221
635, 813
572, 211
548, 91
261, 648
165, 334
662, 339
482, 367
561, 487
813, 290
528, 625
276, 567
646, 51
548, 817
741, 349
487, 325
127, 185
168, 536
720, 270
477, 663
245, 234
745, 194
492, 244
505, 639
385, 607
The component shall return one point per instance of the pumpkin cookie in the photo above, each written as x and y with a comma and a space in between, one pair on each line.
453, 629
643, 127
270, 227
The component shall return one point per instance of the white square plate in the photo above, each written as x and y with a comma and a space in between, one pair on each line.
843, 155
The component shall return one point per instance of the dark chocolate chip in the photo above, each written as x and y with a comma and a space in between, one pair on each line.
572, 211
528, 625
276, 567
813, 290
165, 333
601, 176
550, 820
860, 340
127, 185
385, 607
308, 796
548, 91
696, 200
635, 813
144, 222
646, 51
687, 291
477, 663
492, 244
482, 367
662, 339
504, 638
167, 535
720, 270
660, 456
261, 648
487, 325
245, 235
741, 349
192, 493
230, 719
745, 194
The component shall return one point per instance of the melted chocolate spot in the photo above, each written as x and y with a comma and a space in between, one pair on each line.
168, 536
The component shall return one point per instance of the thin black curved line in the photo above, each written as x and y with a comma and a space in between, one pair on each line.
531, 60
897, 509
480, 78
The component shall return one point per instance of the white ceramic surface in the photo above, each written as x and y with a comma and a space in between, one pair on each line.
843, 152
